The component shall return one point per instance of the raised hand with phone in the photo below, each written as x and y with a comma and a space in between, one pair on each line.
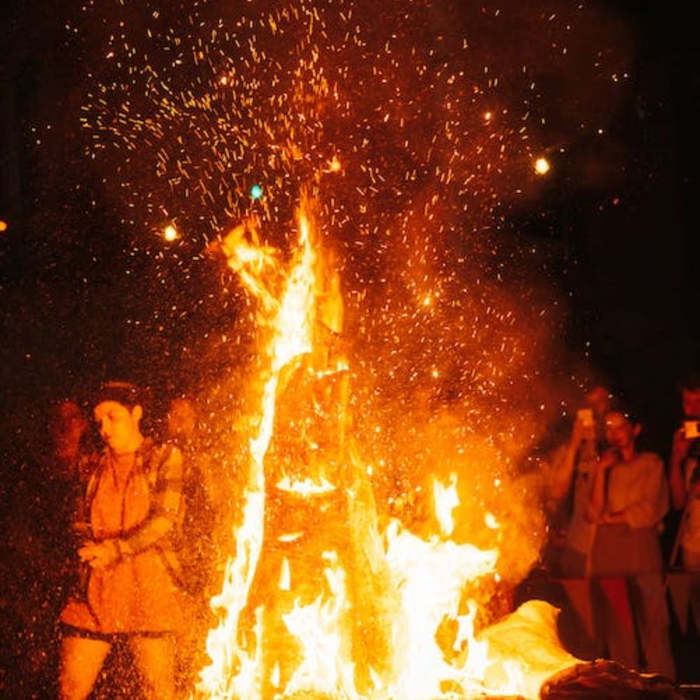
572, 467
684, 476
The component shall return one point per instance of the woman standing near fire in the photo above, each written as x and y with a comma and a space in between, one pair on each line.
132, 505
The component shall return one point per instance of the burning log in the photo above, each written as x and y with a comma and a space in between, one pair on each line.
607, 680
528, 638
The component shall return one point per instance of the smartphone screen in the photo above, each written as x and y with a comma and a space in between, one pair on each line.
691, 429
585, 415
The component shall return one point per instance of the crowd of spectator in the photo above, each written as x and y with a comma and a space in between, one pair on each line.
609, 504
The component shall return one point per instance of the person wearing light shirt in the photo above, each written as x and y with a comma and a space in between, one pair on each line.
629, 499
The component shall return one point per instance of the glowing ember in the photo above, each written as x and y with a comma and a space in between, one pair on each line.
170, 233
542, 166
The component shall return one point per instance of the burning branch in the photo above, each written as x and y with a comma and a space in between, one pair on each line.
233, 672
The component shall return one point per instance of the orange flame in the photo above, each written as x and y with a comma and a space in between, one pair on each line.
446, 500
232, 671
423, 579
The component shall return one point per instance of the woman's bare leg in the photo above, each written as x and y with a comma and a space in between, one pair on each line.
155, 659
81, 661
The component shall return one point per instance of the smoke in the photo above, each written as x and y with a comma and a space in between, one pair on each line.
433, 113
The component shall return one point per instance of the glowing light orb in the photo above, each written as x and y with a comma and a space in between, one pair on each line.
256, 191
170, 233
542, 166
334, 165
3, 226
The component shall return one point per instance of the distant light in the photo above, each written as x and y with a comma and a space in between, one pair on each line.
170, 233
3, 226
334, 165
488, 116
435, 373
427, 300
223, 80
256, 191
542, 166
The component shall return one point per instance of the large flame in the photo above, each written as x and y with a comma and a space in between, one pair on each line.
407, 596
232, 672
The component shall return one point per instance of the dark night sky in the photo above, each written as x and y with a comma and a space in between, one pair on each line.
84, 298
631, 267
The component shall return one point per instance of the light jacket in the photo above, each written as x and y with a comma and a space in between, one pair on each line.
141, 515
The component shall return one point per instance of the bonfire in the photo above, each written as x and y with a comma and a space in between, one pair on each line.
322, 597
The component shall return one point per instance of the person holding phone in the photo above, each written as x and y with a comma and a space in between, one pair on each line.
684, 474
573, 466
684, 477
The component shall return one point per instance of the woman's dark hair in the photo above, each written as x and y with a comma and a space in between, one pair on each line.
125, 393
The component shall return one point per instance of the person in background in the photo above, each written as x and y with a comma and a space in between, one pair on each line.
66, 472
571, 478
37, 569
628, 502
67, 429
130, 592
684, 477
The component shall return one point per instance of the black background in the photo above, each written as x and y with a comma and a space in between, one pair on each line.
628, 253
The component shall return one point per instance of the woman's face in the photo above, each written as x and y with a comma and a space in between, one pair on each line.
620, 432
119, 426
67, 425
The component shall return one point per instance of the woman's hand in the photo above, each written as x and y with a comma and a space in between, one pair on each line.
613, 518
581, 432
609, 459
679, 446
100, 554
